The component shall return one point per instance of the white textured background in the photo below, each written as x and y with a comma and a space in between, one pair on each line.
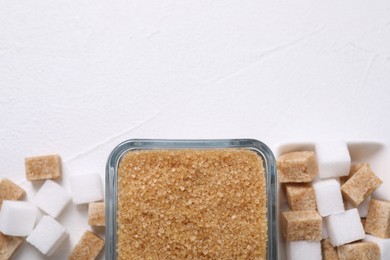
78, 77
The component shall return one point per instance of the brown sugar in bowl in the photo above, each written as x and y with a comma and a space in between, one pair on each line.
191, 200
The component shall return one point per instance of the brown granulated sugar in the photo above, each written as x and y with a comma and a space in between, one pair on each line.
191, 204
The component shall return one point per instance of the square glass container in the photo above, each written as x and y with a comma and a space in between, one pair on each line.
260, 148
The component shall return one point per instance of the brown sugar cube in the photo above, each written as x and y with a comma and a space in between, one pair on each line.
8, 246
96, 214
359, 250
360, 185
329, 252
302, 225
10, 191
297, 167
88, 247
354, 168
300, 196
378, 218
43, 167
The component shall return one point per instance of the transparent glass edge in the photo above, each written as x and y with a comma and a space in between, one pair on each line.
145, 144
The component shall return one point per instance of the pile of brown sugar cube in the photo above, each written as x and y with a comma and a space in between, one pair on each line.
331, 213
36, 222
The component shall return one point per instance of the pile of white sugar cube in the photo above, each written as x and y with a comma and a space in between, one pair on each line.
36, 222
331, 213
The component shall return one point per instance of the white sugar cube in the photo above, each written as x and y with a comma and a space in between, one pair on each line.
344, 227
17, 218
317, 179
362, 208
325, 234
333, 159
47, 235
303, 250
86, 188
384, 245
328, 197
52, 198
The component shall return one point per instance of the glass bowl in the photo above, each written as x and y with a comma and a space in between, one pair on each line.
145, 144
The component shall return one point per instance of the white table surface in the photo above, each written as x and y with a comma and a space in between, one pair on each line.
79, 77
